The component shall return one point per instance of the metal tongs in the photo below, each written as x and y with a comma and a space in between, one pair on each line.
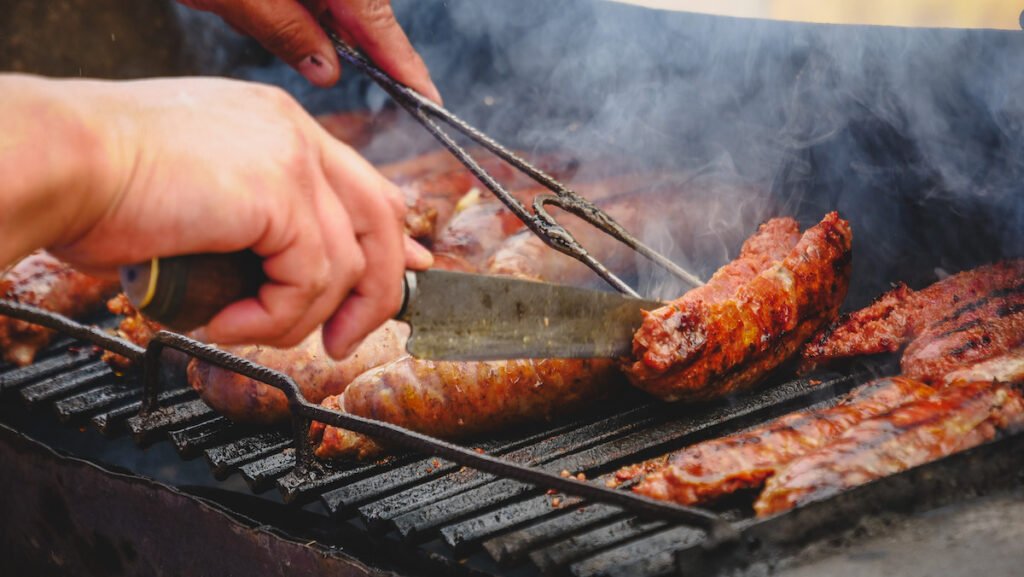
539, 221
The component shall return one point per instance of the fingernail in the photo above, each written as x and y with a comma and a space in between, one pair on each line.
418, 257
434, 94
199, 334
317, 69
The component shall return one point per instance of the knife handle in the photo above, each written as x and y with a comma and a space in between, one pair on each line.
185, 292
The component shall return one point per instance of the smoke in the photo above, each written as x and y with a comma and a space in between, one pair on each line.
915, 135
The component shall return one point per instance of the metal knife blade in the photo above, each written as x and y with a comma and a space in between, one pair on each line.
468, 317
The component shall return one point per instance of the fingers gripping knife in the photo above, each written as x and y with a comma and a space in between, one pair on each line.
186, 292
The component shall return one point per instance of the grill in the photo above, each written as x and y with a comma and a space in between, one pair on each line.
417, 514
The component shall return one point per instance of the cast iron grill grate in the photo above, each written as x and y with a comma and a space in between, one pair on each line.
486, 522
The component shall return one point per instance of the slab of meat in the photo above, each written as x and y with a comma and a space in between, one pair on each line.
961, 320
454, 400
728, 337
43, 281
243, 400
1007, 368
744, 460
953, 419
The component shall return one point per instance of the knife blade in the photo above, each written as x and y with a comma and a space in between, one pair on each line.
453, 315
469, 317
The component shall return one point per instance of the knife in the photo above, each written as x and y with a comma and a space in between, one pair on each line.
453, 315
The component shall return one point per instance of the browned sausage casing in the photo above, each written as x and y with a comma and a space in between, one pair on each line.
243, 400
454, 400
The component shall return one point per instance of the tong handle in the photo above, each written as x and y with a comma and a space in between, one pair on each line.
185, 292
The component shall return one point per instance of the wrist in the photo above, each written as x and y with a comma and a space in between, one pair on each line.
64, 152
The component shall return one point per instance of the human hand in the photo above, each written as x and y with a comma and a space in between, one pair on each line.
210, 165
289, 29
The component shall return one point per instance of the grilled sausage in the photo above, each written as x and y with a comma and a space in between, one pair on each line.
455, 400
43, 281
701, 348
954, 419
961, 308
717, 467
243, 400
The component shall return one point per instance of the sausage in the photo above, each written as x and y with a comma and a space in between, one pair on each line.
715, 343
246, 401
456, 400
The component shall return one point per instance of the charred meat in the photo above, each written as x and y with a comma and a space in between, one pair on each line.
717, 467
954, 419
755, 314
43, 281
956, 322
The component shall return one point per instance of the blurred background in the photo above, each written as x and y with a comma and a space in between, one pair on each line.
1001, 14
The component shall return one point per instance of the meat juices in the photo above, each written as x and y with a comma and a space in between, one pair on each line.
244, 400
954, 419
454, 400
958, 321
758, 311
744, 460
43, 281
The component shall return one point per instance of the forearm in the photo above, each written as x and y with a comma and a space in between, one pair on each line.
55, 162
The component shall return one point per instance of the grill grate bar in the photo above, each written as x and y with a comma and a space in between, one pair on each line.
584, 544
147, 427
191, 440
224, 459
48, 367
648, 556
299, 485
548, 443
111, 422
66, 382
480, 527
262, 474
85, 403
514, 546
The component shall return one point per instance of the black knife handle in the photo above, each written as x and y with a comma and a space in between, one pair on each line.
185, 292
